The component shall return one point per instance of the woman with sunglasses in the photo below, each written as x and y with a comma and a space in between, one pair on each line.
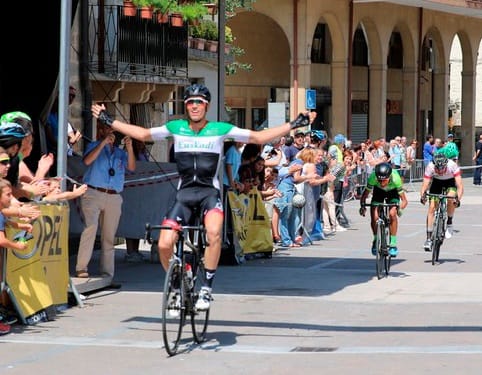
4, 162
198, 146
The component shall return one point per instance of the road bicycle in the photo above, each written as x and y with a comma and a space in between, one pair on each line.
354, 189
383, 258
182, 284
439, 223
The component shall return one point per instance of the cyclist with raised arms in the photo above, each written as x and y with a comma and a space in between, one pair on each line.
386, 186
198, 147
441, 173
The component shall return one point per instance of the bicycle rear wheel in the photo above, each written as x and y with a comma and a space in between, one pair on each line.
199, 319
380, 261
173, 316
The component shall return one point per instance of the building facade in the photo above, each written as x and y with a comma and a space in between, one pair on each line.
379, 68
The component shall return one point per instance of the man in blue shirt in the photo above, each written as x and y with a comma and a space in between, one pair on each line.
102, 203
428, 149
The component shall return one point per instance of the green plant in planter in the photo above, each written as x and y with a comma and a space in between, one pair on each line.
228, 35
163, 6
142, 3
210, 29
192, 12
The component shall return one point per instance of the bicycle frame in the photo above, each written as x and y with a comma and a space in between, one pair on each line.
439, 225
383, 258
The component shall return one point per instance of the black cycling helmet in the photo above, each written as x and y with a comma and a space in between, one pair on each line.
383, 171
197, 90
10, 134
440, 161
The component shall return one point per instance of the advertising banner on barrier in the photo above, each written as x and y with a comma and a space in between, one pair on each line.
38, 277
148, 193
251, 223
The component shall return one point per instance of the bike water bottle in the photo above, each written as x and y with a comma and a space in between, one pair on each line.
189, 276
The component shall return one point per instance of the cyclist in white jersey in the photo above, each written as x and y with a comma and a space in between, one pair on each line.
198, 147
441, 173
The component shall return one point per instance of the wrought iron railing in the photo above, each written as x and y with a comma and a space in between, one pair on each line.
132, 48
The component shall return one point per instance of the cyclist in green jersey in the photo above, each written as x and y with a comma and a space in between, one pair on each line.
386, 186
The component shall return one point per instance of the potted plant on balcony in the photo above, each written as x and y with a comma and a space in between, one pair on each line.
192, 13
130, 9
228, 38
211, 35
145, 7
162, 8
197, 33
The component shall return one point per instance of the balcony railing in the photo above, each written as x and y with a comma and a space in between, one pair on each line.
132, 48
474, 3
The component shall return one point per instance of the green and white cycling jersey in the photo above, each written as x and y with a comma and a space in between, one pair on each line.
199, 154
395, 182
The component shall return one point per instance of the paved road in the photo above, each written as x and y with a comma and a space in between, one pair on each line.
312, 310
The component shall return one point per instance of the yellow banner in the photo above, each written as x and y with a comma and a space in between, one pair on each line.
38, 277
251, 222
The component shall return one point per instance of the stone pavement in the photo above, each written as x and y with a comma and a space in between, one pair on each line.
316, 309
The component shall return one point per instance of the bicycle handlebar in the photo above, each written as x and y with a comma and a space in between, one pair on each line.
440, 196
380, 204
180, 229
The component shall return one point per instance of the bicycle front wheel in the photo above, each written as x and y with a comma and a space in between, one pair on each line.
380, 243
173, 313
387, 258
199, 319
349, 196
437, 239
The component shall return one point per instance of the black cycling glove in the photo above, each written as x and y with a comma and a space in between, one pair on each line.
105, 118
300, 121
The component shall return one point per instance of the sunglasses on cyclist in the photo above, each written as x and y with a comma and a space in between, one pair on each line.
195, 101
5, 161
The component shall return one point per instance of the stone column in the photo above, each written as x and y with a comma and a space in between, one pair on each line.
440, 102
377, 106
339, 97
467, 146
409, 104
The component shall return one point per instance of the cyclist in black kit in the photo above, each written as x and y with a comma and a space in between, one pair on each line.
198, 148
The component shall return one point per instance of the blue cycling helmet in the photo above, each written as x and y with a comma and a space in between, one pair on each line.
197, 90
318, 135
339, 139
11, 134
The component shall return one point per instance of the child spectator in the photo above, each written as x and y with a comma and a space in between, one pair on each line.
5, 199
55, 192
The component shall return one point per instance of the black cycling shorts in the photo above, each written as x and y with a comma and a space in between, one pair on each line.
380, 195
438, 184
193, 201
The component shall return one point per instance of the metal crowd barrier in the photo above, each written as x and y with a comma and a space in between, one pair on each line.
412, 174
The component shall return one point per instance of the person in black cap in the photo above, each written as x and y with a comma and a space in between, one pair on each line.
297, 146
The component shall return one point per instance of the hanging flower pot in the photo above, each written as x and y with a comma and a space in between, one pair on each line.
146, 12
176, 20
130, 9
162, 17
